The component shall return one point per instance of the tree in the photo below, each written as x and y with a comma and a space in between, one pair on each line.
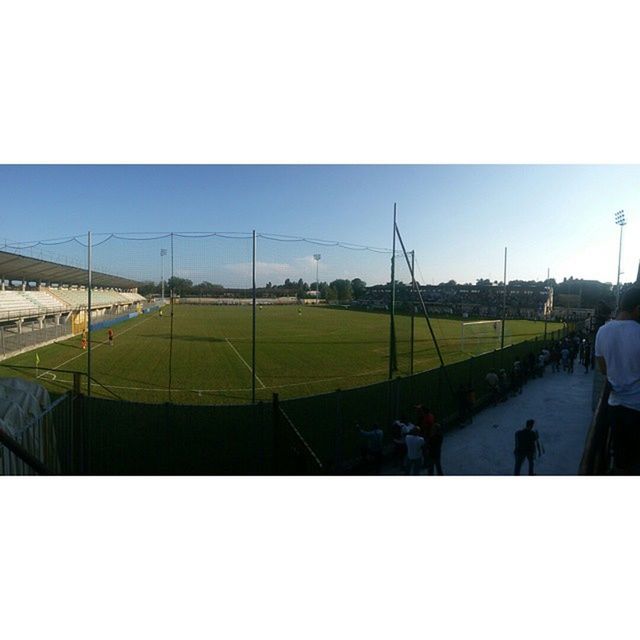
342, 290
330, 294
180, 286
359, 288
302, 288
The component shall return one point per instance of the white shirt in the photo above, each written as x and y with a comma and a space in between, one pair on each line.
414, 447
618, 342
407, 428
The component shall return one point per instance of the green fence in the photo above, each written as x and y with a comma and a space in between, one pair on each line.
134, 438
111, 437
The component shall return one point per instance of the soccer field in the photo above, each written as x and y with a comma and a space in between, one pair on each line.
299, 351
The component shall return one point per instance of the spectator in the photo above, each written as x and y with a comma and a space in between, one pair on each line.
531, 365
504, 385
587, 356
415, 448
372, 446
424, 419
572, 357
517, 377
493, 382
434, 451
565, 353
527, 442
399, 429
617, 351
541, 363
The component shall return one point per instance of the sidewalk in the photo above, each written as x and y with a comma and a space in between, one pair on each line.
560, 403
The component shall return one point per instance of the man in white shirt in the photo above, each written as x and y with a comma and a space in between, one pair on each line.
415, 447
618, 356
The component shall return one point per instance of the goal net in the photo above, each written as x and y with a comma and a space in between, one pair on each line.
480, 336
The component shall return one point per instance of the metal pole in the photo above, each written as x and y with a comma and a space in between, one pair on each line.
504, 300
392, 306
253, 334
619, 259
162, 252
89, 314
171, 324
316, 257
413, 315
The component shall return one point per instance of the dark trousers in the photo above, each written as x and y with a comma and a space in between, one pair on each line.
433, 463
520, 459
625, 441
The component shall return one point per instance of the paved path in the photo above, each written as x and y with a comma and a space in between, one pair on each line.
560, 403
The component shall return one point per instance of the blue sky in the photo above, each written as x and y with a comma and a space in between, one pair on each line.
458, 218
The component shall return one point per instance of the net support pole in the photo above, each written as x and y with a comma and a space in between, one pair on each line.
414, 284
413, 315
392, 306
504, 301
171, 295
89, 270
253, 324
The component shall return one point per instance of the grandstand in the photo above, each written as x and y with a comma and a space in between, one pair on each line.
41, 301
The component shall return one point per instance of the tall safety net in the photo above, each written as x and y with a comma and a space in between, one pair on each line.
220, 317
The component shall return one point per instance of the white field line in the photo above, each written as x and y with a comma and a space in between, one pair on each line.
92, 349
246, 364
276, 386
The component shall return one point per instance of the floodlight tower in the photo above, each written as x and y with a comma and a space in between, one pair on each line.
316, 257
163, 253
620, 221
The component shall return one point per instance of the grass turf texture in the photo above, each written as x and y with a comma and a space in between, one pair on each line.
297, 353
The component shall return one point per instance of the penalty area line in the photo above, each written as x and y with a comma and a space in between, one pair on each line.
246, 364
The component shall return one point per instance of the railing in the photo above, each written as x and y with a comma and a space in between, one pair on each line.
596, 459
12, 342
43, 446
31, 312
14, 457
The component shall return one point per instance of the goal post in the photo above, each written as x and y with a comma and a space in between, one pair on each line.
480, 336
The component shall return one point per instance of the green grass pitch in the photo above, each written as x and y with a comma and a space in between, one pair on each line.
298, 353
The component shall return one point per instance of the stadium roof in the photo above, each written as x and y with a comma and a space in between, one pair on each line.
17, 267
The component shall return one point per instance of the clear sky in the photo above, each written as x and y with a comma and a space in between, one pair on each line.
458, 218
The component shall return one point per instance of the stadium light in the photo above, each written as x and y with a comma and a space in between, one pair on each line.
620, 221
163, 253
316, 257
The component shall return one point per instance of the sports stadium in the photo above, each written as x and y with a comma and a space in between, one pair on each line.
124, 345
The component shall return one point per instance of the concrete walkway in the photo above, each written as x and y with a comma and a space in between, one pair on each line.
560, 403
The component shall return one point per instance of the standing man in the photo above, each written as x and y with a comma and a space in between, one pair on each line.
110, 334
434, 451
617, 352
587, 356
415, 448
527, 442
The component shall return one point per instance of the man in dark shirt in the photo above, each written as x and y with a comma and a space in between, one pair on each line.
526, 444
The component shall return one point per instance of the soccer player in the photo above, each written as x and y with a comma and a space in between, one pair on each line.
161, 313
299, 311
110, 334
